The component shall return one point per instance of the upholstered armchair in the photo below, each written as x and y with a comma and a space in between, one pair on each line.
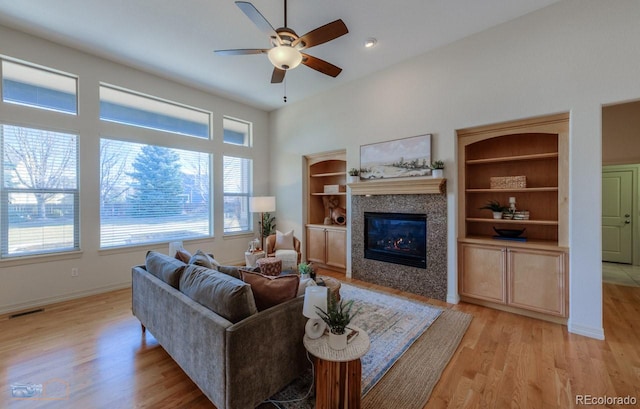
276, 249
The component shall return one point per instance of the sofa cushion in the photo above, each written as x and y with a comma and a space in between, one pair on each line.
167, 269
284, 241
228, 297
268, 290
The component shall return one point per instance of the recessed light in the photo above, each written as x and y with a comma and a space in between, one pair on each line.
370, 42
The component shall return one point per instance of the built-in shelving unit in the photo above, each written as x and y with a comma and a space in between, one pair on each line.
326, 243
527, 275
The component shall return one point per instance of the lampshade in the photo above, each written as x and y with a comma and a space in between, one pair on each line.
314, 296
261, 204
284, 57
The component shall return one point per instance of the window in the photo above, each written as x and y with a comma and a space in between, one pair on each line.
39, 191
127, 107
237, 189
236, 132
37, 87
150, 194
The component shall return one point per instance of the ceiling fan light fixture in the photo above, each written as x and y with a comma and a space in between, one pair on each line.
284, 57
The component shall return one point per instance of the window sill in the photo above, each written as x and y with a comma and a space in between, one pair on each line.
40, 258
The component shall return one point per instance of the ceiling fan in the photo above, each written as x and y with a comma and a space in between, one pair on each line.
285, 53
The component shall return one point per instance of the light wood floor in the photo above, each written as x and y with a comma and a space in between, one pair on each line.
90, 353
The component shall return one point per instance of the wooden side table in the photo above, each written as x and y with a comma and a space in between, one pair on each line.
338, 374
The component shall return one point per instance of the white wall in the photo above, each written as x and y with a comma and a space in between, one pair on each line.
36, 281
572, 57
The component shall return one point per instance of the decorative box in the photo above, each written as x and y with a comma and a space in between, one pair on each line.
331, 188
508, 182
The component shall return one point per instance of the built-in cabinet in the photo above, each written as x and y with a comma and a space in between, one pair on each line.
326, 241
529, 274
525, 278
327, 245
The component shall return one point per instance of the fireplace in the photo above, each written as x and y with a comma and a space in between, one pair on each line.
399, 238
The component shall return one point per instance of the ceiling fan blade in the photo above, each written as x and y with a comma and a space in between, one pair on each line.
277, 76
258, 19
322, 34
242, 51
321, 65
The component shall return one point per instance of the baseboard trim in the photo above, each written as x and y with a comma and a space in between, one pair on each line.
597, 333
453, 298
42, 302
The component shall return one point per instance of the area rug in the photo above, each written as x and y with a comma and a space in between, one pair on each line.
394, 325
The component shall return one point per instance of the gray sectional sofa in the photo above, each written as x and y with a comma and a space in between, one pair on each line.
236, 355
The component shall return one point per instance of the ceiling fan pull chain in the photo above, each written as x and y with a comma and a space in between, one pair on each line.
285, 91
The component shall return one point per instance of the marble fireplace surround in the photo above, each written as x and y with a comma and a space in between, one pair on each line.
419, 195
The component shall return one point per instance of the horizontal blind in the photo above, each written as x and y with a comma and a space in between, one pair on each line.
151, 193
237, 189
39, 192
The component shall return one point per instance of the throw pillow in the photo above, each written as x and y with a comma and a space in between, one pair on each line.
183, 255
201, 259
268, 290
284, 241
166, 268
226, 296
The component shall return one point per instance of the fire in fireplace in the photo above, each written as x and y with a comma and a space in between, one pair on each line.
399, 238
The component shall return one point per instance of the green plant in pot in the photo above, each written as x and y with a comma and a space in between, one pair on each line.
354, 175
268, 224
306, 270
495, 207
337, 317
437, 168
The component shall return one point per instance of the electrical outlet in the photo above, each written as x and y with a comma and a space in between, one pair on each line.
74, 272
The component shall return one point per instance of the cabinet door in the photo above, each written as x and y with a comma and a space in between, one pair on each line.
482, 272
316, 244
537, 280
336, 248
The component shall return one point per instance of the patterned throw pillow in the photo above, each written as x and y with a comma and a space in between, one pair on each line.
268, 290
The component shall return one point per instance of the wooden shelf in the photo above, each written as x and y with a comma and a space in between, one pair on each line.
329, 194
535, 156
519, 190
399, 186
508, 221
324, 175
530, 244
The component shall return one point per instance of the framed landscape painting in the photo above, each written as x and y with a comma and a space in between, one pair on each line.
395, 159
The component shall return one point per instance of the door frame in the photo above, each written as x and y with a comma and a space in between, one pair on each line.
635, 237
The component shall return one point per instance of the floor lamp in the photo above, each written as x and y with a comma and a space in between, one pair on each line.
262, 204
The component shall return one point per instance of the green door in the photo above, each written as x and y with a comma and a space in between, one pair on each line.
617, 223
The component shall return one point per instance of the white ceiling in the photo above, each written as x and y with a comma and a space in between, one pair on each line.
176, 38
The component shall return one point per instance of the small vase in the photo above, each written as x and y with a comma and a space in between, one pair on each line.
437, 173
337, 341
304, 276
353, 179
497, 215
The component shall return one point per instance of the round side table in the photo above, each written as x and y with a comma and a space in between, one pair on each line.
251, 258
338, 373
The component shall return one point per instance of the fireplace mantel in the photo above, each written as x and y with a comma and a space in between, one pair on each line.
407, 186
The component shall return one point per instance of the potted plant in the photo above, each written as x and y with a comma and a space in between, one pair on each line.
354, 175
437, 169
495, 207
337, 317
306, 271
